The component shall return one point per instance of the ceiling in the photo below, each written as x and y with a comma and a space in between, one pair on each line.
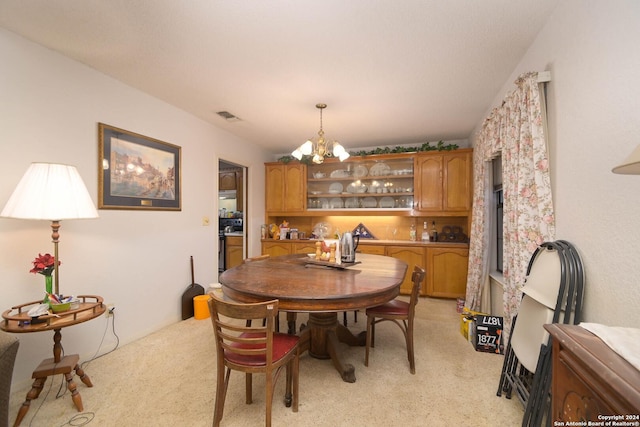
391, 72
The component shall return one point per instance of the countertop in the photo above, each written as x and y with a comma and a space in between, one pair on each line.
387, 242
235, 233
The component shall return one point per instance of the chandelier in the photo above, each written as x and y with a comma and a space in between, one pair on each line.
319, 148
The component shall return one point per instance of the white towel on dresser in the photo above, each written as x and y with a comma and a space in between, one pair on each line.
624, 341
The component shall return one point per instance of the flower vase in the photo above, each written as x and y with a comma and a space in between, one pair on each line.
48, 283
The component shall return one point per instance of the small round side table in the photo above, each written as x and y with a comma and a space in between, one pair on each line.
17, 320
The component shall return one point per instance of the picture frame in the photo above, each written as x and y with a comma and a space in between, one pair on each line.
137, 172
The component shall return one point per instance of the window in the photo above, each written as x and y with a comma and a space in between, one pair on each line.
497, 240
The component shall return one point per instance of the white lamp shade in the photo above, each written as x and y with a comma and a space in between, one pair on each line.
297, 153
307, 148
50, 192
344, 156
630, 165
338, 149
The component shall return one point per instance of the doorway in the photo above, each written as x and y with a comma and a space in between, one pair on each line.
232, 205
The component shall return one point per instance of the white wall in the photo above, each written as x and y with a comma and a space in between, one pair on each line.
591, 49
49, 110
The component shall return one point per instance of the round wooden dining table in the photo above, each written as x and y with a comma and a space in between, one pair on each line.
303, 286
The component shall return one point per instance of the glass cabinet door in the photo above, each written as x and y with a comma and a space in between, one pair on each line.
366, 184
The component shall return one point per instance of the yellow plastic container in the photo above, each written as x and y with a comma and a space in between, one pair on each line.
201, 306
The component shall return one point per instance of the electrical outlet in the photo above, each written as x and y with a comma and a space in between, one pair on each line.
110, 309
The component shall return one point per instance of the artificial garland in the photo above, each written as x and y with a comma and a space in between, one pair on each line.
440, 146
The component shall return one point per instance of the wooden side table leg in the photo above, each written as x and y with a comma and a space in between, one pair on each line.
36, 388
83, 377
75, 396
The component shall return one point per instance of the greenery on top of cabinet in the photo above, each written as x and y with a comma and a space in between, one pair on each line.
440, 146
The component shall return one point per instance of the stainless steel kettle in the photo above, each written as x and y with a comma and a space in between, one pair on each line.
348, 246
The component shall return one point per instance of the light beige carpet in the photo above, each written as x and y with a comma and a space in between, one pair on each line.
168, 379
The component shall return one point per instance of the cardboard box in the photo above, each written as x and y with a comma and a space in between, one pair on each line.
487, 336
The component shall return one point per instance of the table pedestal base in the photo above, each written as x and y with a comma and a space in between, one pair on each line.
324, 333
50, 367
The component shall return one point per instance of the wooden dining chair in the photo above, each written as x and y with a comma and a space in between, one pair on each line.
256, 258
253, 350
264, 321
344, 317
399, 312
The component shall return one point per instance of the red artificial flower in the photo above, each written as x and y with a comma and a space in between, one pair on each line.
44, 264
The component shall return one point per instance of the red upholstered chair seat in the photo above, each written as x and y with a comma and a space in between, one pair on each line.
395, 307
283, 344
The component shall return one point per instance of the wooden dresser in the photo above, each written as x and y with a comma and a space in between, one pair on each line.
590, 382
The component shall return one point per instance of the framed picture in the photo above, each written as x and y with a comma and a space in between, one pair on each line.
137, 172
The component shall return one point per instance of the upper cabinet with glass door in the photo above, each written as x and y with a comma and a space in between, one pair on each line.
368, 183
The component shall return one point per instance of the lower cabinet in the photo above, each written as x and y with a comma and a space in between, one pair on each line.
412, 255
303, 248
446, 272
233, 253
370, 249
276, 248
446, 267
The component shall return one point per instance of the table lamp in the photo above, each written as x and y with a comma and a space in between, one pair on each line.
51, 192
630, 165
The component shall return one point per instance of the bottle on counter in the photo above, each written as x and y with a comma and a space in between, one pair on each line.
425, 232
412, 232
434, 232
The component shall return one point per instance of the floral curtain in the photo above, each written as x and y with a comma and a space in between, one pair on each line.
516, 131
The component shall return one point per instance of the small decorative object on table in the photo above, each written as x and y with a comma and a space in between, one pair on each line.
362, 231
60, 308
45, 264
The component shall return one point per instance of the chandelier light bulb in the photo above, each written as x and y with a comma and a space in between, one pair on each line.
297, 153
321, 147
307, 148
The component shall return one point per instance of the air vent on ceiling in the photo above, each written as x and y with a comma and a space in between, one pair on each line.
228, 116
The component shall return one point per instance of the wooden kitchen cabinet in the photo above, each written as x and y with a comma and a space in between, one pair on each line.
232, 180
444, 185
285, 187
412, 255
234, 251
446, 272
370, 249
408, 184
276, 248
307, 247
228, 180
